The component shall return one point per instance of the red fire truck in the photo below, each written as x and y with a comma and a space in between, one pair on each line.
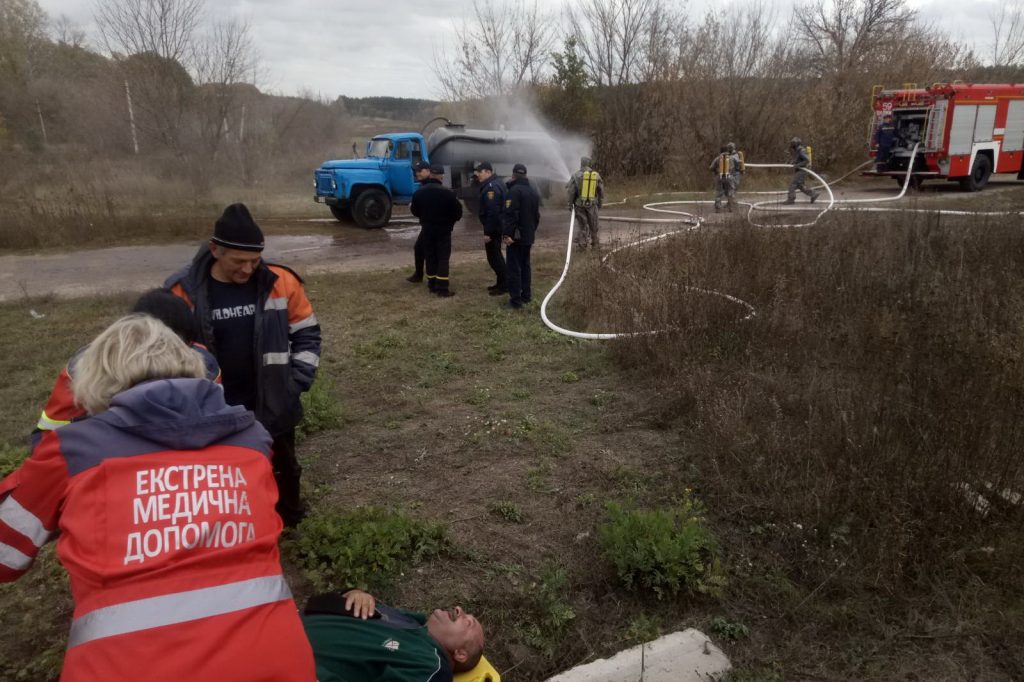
966, 131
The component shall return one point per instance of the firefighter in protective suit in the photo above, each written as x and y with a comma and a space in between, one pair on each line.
800, 160
726, 168
586, 194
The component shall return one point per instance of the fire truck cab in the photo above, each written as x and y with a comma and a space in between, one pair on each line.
966, 132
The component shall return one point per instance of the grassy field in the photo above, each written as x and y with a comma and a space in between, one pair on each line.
798, 470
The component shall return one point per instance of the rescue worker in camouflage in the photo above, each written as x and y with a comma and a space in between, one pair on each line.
800, 161
355, 638
726, 169
492, 206
586, 207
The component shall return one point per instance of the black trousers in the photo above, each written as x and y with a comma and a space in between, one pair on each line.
496, 260
417, 254
437, 250
287, 473
520, 275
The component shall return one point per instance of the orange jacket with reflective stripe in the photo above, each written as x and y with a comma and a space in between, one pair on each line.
165, 506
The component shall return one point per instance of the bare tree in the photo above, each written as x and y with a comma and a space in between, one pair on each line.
626, 41
736, 69
500, 48
186, 78
67, 32
840, 35
224, 61
165, 28
1007, 35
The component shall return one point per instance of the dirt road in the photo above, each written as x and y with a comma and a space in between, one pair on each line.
351, 249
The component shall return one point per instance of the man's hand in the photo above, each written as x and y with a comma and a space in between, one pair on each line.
487, 239
361, 604
507, 241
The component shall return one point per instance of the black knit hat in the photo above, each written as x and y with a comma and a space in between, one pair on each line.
235, 229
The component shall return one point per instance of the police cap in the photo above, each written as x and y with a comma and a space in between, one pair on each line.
420, 165
436, 169
519, 169
484, 165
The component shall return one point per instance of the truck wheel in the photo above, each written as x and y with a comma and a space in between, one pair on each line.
981, 171
341, 214
372, 209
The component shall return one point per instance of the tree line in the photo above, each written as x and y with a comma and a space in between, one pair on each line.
654, 89
658, 91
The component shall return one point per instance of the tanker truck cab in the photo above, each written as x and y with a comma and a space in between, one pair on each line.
367, 189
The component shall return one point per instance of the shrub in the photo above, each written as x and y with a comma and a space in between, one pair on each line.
664, 550
506, 510
732, 630
322, 411
365, 548
550, 613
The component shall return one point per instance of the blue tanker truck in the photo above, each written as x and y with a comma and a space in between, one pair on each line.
365, 190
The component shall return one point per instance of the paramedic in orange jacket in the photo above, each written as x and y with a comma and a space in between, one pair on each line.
60, 409
164, 503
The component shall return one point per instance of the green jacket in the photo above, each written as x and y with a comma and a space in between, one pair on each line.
393, 646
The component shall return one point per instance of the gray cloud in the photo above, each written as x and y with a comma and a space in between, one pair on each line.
385, 47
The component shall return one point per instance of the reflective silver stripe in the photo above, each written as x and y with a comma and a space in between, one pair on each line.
23, 521
276, 358
307, 357
47, 424
310, 321
180, 607
276, 304
13, 559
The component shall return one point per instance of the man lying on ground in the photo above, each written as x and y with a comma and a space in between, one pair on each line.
354, 638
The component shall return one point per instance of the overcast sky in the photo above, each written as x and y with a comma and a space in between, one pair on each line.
384, 47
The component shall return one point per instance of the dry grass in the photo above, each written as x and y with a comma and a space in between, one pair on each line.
834, 431
66, 199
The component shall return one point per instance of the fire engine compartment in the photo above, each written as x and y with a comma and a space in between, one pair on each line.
909, 125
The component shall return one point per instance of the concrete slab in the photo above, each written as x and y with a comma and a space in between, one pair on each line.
687, 656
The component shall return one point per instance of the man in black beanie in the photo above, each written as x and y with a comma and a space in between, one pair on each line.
255, 318
438, 209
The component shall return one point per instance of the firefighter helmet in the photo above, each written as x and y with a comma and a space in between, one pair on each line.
795, 142
585, 162
731, 147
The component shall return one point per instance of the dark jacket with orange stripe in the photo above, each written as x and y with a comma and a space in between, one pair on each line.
286, 335
165, 508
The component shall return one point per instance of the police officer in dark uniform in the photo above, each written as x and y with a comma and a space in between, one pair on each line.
421, 171
522, 215
492, 205
438, 209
